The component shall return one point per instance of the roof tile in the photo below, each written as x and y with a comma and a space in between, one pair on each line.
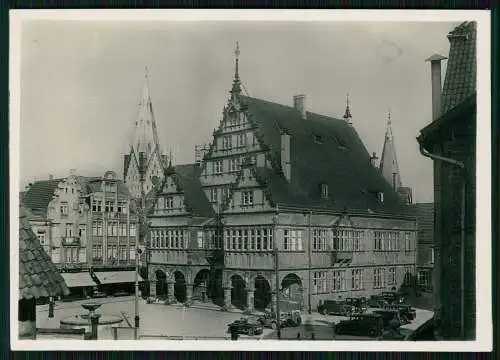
37, 274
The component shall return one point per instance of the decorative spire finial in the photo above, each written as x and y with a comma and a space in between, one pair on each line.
389, 116
237, 54
347, 114
236, 83
146, 72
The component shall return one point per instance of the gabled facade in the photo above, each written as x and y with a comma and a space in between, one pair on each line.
145, 160
282, 191
84, 223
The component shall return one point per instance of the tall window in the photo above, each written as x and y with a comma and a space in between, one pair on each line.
423, 278
241, 140
378, 240
123, 252
64, 208
319, 282
320, 239
378, 278
40, 234
292, 240
347, 239
247, 198
132, 229
392, 276
226, 142
324, 191
69, 231
234, 165
97, 252
338, 283
432, 255
218, 167
213, 195
96, 205
408, 244
356, 279
169, 202
199, 238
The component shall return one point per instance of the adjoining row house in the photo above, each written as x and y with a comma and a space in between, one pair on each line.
425, 245
284, 199
87, 227
450, 141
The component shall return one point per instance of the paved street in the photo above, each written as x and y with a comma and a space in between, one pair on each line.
202, 320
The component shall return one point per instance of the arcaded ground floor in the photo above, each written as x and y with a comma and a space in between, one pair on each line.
302, 289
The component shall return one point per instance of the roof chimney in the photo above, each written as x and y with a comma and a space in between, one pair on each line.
435, 61
72, 171
299, 103
51, 177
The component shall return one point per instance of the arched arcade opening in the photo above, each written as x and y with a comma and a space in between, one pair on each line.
161, 284
180, 286
238, 291
262, 295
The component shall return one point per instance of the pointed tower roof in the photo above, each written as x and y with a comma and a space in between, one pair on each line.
389, 163
347, 115
145, 138
236, 90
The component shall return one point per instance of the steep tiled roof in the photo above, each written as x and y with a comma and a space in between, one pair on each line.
424, 213
188, 179
323, 150
40, 193
38, 277
460, 79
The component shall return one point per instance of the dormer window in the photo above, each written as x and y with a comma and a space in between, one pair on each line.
380, 197
324, 191
318, 139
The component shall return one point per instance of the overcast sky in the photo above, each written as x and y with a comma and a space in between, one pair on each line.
81, 84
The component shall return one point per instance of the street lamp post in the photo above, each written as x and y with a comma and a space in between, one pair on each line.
136, 318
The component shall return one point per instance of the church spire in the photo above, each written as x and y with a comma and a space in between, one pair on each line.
389, 163
236, 82
347, 115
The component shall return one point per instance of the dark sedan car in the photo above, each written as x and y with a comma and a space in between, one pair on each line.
361, 325
246, 326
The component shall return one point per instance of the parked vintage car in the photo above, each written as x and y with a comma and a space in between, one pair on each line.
360, 304
377, 301
120, 293
390, 316
393, 297
246, 326
335, 307
406, 311
288, 319
361, 325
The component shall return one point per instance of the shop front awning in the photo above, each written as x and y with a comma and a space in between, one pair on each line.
115, 277
79, 279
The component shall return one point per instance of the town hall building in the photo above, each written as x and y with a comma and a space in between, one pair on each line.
285, 202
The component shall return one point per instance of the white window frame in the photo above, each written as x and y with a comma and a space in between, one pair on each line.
324, 191
392, 276
338, 280
169, 202
213, 195
247, 198
378, 278
40, 234
234, 165
356, 279
64, 208
218, 167
319, 282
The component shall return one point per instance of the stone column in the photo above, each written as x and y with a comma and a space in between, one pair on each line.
227, 297
94, 322
171, 291
152, 288
189, 294
250, 299
273, 302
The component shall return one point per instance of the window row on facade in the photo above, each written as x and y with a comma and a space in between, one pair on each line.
261, 239
228, 165
354, 279
113, 229
109, 206
114, 252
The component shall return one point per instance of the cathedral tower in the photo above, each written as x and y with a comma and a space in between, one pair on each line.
145, 161
389, 165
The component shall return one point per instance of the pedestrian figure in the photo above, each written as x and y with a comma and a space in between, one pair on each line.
313, 337
298, 336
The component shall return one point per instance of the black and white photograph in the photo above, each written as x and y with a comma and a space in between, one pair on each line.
235, 179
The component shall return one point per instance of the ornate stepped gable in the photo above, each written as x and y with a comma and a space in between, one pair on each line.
323, 151
145, 152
